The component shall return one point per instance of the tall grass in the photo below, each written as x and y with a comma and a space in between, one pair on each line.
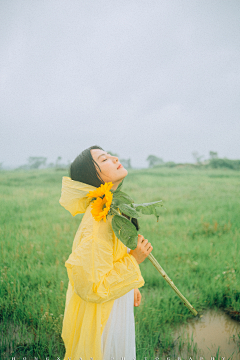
196, 241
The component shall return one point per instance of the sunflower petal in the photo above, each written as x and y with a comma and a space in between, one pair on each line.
101, 206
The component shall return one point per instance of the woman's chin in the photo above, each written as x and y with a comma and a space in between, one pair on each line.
124, 171
122, 174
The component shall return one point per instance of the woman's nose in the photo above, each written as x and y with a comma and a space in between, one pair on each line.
115, 159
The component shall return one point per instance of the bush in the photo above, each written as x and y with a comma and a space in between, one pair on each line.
170, 164
224, 163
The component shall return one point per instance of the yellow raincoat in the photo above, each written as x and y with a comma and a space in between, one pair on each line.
99, 269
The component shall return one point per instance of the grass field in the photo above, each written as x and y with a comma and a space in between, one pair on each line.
196, 241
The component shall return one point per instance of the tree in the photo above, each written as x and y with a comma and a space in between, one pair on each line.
197, 157
35, 162
154, 160
213, 155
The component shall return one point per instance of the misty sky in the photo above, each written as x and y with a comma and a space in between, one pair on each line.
135, 77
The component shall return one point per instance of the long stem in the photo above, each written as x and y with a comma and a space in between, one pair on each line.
170, 282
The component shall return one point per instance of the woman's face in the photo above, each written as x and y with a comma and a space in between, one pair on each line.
111, 168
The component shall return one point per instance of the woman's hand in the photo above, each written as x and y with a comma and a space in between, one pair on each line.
142, 250
137, 297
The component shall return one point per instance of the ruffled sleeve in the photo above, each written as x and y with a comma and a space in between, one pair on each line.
92, 271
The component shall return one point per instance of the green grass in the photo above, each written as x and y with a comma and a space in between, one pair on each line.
196, 241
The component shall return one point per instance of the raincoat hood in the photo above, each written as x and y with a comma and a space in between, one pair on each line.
74, 195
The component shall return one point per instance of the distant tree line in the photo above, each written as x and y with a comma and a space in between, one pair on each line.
213, 162
40, 162
224, 163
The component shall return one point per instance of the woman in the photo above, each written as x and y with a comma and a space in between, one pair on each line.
104, 275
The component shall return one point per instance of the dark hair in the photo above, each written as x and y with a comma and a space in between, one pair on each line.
84, 169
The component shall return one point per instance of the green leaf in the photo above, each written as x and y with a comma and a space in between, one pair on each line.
146, 208
122, 198
128, 210
125, 231
149, 208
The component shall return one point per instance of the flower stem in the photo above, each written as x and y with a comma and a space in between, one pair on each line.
170, 282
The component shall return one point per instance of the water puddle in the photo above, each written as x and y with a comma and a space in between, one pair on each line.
214, 334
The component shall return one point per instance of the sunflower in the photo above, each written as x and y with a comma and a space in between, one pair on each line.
101, 206
101, 190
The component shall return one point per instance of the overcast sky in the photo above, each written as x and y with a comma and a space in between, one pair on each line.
135, 77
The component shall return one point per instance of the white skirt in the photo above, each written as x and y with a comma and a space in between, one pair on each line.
118, 337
